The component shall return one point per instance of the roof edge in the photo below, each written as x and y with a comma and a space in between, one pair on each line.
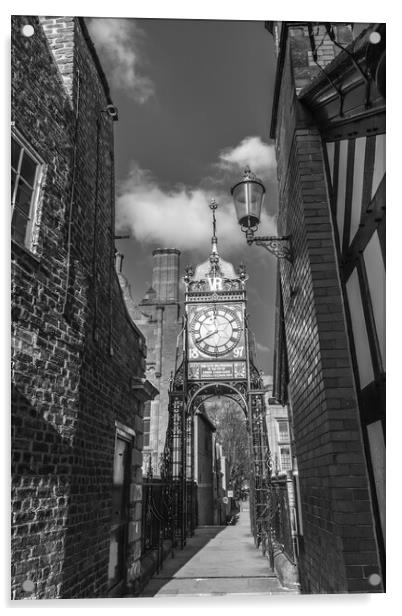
95, 57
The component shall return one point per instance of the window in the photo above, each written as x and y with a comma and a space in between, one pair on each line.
26, 174
147, 423
286, 462
283, 430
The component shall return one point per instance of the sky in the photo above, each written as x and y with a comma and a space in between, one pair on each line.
194, 100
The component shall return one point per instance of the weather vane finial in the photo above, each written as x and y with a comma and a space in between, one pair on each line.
214, 206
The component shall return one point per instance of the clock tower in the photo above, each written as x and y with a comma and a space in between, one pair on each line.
216, 361
215, 306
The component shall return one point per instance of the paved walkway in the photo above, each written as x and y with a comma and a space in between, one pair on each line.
218, 560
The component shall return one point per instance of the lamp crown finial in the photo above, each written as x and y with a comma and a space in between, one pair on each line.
248, 174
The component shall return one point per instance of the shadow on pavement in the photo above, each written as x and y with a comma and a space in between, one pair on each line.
202, 536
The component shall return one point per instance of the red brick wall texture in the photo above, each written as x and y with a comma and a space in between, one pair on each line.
74, 347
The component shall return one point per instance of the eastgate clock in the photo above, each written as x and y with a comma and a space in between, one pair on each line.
215, 331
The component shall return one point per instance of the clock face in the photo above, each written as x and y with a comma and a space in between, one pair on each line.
215, 331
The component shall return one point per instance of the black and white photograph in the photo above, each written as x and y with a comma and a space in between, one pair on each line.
198, 314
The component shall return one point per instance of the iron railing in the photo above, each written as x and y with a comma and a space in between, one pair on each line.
159, 522
281, 526
192, 508
156, 517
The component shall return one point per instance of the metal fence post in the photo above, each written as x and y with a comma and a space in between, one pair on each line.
293, 514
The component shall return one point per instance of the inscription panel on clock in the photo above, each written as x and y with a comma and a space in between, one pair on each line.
201, 371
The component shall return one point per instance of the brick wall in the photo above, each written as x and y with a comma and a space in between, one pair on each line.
74, 346
338, 550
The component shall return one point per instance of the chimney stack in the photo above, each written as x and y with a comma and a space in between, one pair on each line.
165, 274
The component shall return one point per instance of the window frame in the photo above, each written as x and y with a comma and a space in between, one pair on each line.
30, 241
282, 456
283, 439
146, 425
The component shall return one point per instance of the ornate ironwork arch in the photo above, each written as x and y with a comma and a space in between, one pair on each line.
236, 393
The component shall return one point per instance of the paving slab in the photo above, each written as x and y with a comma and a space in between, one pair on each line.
217, 560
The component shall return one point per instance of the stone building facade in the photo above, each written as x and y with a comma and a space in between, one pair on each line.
78, 360
279, 432
329, 122
159, 317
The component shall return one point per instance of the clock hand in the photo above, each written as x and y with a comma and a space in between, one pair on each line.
207, 336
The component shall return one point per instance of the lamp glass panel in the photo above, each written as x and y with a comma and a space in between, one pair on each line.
247, 198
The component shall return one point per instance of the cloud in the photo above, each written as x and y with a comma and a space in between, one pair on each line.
179, 217
119, 42
252, 152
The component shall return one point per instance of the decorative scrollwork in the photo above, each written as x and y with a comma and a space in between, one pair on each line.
280, 247
189, 273
197, 285
255, 377
177, 383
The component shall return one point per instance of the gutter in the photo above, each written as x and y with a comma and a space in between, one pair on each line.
278, 74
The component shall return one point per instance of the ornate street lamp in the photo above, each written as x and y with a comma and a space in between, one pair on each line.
248, 196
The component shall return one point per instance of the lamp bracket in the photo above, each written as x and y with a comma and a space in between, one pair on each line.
280, 247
